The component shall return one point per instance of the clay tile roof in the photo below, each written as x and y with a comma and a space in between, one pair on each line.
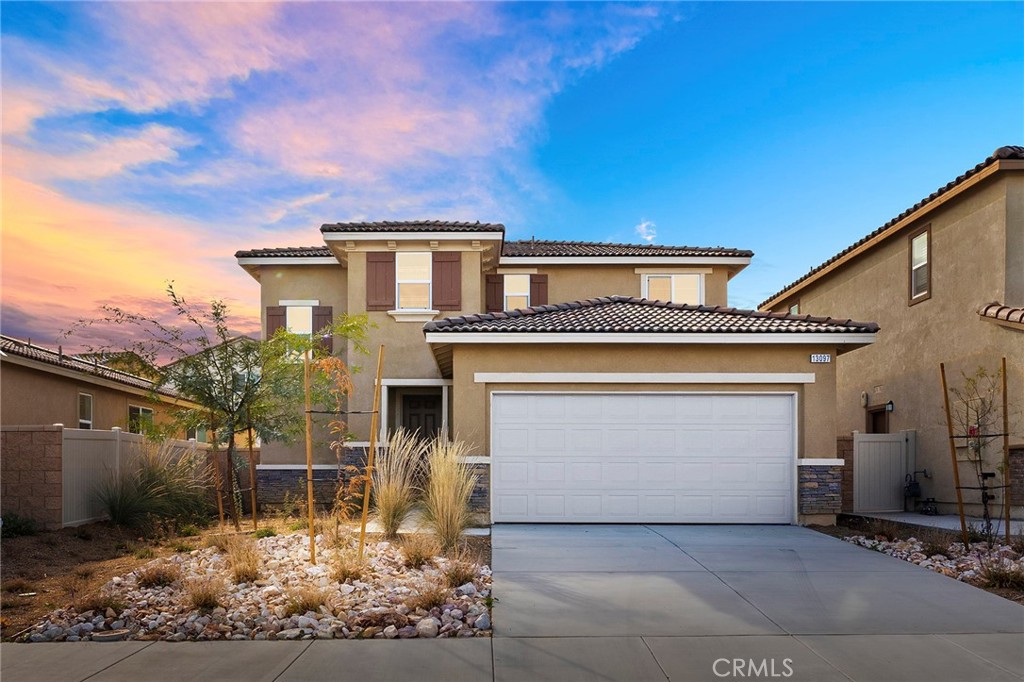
545, 247
413, 226
12, 346
625, 315
997, 311
1007, 152
287, 252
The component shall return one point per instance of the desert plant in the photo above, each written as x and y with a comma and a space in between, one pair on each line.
15, 585
243, 558
188, 530
182, 547
430, 594
303, 599
12, 525
159, 574
419, 549
203, 594
217, 540
143, 552
447, 492
346, 565
98, 602
459, 571
996, 573
264, 533
394, 480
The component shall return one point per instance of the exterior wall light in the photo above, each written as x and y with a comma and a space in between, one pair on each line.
889, 406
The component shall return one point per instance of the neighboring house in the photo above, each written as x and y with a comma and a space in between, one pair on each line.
40, 386
945, 281
584, 401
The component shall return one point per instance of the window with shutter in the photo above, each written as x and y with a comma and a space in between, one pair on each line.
277, 318
447, 276
494, 293
380, 281
538, 290
323, 317
413, 272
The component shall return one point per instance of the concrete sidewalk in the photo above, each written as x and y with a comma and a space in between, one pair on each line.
678, 603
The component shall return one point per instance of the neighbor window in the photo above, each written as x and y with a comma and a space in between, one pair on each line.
517, 292
412, 281
920, 265
140, 419
794, 309
685, 288
84, 411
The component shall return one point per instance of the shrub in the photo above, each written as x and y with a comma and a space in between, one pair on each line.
448, 489
298, 526
394, 480
459, 572
430, 595
203, 594
347, 566
98, 602
264, 533
18, 585
305, 598
189, 530
419, 549
217, 540
14, 526
144, 553
243, 558
158, 575
182, 547
997, 574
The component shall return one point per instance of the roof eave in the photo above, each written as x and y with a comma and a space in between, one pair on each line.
740, 261
855, 339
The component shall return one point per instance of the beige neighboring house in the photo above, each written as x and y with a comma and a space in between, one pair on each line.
42, 386
945, 282
586, 394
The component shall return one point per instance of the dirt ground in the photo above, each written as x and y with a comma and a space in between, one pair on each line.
897, 531
46, 571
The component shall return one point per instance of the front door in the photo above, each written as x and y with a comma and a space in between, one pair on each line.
422, 413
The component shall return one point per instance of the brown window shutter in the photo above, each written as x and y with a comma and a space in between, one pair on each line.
380, 281
538, 290
277, 318
447, 280
323, 316
495, 293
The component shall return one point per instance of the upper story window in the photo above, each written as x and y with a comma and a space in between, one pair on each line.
140, 419
920, 265
299, 319
517, 292
678, 288
84, 411
794, 309
412, 280
305, 317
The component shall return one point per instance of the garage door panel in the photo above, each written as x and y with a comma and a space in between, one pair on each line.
680, 457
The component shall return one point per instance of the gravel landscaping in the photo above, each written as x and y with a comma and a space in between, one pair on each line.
289, 599
952, 560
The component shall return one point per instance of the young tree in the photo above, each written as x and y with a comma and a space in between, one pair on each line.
232, 384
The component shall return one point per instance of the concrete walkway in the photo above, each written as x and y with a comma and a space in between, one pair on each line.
944, 521
634, 603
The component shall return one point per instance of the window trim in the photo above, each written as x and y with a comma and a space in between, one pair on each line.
700, 284
429, 282
504, 289
142, 410
92, 413
794, 308
929, 264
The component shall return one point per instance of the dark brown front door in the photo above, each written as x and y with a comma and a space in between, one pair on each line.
878, 420
422, 413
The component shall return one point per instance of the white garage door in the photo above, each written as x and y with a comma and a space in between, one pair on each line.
642, 458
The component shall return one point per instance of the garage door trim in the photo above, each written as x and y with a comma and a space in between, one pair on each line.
795, 412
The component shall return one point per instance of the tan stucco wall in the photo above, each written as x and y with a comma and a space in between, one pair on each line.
970, 267
31, 396
816, 402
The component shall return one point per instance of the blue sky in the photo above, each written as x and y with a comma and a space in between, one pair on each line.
146, 142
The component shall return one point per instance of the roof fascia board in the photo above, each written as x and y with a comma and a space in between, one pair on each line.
288, 260
773, 338
411, 236
643, 378
88, 378
623, 260
1002, 164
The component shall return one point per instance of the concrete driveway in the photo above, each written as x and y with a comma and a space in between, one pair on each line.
650, 602
634, 603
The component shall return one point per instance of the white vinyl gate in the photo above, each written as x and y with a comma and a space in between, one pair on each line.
643, 457
880, 466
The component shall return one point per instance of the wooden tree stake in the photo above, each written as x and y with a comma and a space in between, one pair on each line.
1006, 457
374, 424
309, 460
952, 457
252, 481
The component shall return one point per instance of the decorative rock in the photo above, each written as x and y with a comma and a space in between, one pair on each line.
290, 633
408, 632
468, 590
483, 622
112, 635
427, 628
391, 632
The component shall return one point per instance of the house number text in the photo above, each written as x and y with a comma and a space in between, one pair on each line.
821, 357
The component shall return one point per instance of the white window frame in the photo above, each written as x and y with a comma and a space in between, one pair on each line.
428, 281
505, 293
644, 279
924, 233
142, 410
88, 422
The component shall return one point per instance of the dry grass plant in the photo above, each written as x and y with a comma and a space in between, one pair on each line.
303, 599
431, 594
204, 594
346, 565
394, 480
160, 574
447, 492
243, 558
419, 549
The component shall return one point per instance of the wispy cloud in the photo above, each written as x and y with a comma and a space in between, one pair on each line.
645, 230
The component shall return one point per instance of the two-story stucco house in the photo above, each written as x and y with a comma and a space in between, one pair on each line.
945, 281
595, 382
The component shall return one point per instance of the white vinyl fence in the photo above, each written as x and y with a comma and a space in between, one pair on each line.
881, 462
91, 457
